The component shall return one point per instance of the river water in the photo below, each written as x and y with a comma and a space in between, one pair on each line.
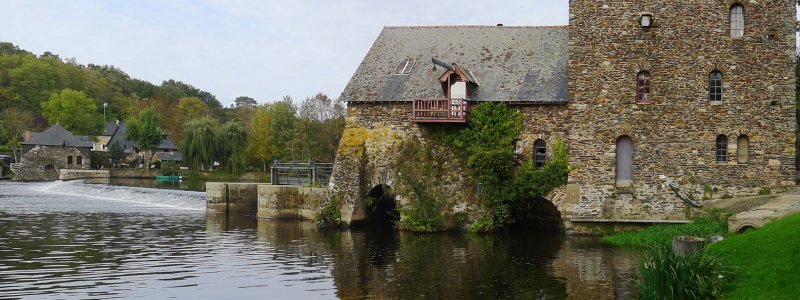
87, 241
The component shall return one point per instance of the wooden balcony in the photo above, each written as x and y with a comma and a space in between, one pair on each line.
440, 110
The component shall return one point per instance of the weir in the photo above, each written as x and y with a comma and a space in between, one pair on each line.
265, 200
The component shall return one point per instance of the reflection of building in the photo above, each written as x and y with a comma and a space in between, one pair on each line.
47, 152
165, 151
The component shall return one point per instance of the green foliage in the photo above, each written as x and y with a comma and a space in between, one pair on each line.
663, 275
764, 191
418, 165
331, 214
201, 146
145, 131
234, 139
482, 224
116, 151
661, 235
169, 168
74, 111
766, 260
13, 123
533, 182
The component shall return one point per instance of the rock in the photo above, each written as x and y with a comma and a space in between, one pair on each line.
715, 238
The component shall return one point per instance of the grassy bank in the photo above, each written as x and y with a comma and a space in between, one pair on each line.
766, 260
661, 235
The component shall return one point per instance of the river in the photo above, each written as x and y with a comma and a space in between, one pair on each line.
89, 241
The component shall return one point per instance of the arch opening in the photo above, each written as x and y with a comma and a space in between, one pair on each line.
745, 228
380, 208
536, 214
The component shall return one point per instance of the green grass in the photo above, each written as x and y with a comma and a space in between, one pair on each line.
766, 260
661, 235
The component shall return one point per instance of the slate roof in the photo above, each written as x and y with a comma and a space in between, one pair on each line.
119, 135
110, 128
166, 156
510, 63
58, 136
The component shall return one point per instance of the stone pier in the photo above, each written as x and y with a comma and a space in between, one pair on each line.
239, 198
265, 200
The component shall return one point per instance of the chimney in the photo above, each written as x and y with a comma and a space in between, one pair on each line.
27, 135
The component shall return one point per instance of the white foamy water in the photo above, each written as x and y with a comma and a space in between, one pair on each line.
139, 196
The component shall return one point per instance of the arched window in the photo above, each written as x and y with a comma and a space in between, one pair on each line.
624, 161
722, 148
743, 148
643, 87
715, 86
540, 153
737, 21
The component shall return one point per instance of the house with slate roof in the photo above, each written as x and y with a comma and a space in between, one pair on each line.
46, 153
166, 150
661, 103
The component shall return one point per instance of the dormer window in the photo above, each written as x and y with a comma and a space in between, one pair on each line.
405, 67
458, 90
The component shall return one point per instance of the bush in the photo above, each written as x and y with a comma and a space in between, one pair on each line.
663, 275
764, 191
330, 215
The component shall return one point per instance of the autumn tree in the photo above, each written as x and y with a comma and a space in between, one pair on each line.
74, 111
145, 131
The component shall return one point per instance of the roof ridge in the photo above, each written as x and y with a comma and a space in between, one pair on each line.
471, 26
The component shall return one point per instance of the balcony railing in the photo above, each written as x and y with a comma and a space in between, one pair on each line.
440, 110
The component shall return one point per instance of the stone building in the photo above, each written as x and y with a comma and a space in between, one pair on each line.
695, 97
46, 153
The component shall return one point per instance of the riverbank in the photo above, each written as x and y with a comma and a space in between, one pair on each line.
765, 260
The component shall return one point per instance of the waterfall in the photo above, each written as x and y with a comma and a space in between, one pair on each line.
178, 199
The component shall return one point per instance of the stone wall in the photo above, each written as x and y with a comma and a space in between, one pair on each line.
73, 174
290, 202
43, 163
674, 135
234, 198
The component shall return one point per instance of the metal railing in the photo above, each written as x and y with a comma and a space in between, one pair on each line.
301, 173
440, 110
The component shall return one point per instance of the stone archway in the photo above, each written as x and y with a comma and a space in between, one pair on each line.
537, 214
379, 207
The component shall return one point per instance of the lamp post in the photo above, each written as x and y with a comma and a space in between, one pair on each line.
105, 104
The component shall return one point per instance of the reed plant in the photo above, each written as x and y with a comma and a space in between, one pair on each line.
664, 275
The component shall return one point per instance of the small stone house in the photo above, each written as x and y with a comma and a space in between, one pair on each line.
46, 153
658, 101
166, 150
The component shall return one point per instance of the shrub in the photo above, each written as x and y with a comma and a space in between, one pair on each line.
764, 191
664, 275
330, 215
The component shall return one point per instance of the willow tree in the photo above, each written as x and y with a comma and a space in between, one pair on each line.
233, 142
145, 131
201, 145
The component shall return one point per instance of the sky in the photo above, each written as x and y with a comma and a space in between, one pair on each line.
261, 49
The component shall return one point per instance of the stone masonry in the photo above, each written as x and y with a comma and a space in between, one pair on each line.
674, 134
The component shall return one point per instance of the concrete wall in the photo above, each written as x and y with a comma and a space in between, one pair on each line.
72, 174
290, 202
239, 198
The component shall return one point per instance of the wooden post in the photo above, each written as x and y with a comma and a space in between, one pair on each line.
683, 245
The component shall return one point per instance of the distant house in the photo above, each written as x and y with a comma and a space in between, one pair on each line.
166, 150
47, 152
101, 145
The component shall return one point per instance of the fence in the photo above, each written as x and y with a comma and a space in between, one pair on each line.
301, 174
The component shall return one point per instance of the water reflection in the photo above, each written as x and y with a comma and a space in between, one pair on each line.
60, 245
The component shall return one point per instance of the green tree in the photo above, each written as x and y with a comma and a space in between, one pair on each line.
116, 152
201, 146
260, 145
73, 110
13, 122
244, 101
145, 131
233, 143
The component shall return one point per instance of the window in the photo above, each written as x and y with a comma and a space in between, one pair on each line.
404, 68
643, 87
80, 160
458, 90
69, 160
737, 21
624, 161
722, 148
715, 87
539, 153
49, 168
743, 148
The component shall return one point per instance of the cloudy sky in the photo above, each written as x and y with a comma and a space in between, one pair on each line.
262, 49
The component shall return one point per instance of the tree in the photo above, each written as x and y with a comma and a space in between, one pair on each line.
260, 145
200, 144
189, 108
244, 101
116, 151
74, 111
233, 142
13, 122
145, 131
